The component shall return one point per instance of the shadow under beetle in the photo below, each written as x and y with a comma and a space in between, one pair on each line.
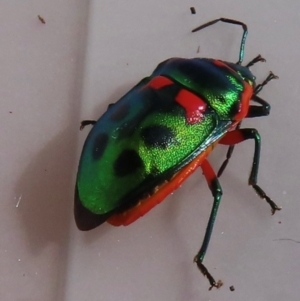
148, 142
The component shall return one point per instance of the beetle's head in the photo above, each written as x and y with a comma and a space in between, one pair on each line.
244, 72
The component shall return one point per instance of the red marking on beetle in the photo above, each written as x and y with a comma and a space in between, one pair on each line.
224, 65
193, 105
220, 63
231, 138
144, 206
244, 104
159, 82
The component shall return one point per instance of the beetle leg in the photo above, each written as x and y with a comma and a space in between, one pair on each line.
228, 155
257, 59
84, 123
259, 87
237, 136
216, 190
225, 20
258, 111
264, 108
254, 111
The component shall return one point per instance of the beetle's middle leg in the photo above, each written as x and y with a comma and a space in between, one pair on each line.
237, 136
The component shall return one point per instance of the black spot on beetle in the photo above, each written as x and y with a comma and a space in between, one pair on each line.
235, 108
100, 145
120, 112
158, 136
127, 163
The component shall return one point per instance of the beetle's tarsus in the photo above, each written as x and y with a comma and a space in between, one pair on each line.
206, 274
257, 59
268, 79
84, 123
263, 195
275, 208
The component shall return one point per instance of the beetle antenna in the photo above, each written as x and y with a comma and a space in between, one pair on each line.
230, 21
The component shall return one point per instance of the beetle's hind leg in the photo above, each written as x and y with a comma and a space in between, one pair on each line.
237, 136
84, 123
216, 190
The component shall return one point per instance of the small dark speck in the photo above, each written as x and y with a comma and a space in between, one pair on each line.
279, 222
193, 10
23, 275
42, 19
10, 112
198, 49
45, 169
232, 288
127, 64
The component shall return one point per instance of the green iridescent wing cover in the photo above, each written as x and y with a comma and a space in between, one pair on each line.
146, 136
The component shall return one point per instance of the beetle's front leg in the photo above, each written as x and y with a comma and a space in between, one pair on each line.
264, 108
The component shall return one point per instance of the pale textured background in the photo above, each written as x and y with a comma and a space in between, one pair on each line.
87, 55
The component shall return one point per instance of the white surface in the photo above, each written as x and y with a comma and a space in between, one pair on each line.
86, 56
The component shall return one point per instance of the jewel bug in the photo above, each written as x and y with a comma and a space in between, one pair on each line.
148, 142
